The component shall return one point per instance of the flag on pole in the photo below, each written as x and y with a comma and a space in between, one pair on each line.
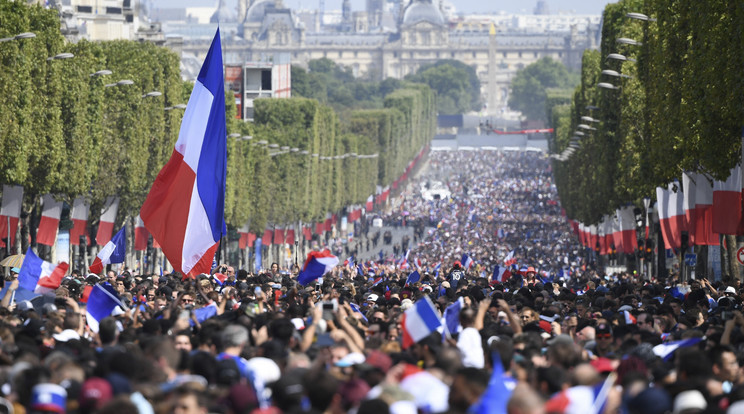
10, 212
451, 317
79, 216
727, 203
316, 265
108, 217
102, 301
671, 215
509, 259
666, 351
115, 251
184, 210
140, 234
40, 276
46, 234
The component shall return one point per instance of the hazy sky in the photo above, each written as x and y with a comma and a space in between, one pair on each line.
511, 6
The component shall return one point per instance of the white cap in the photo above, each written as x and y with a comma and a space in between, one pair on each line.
730, 289
689, 400
372, 298
354, 358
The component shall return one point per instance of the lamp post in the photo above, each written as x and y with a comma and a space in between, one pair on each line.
24, 35
605, 85
639, 16
622, 58
61, 56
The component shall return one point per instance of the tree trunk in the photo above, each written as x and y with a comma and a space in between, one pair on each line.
733, 262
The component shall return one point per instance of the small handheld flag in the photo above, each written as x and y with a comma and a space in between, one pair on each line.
316, 265
115, 251
40, 276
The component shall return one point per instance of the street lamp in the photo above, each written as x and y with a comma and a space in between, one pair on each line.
152, 94
305, 152
120, 83
591, 108
284, 148
627, 41
579, 133
589, 119
606, 85
273, 146
586, 127
294, 149
61, 56
617, 56
101, 72
233, 135
176, 106
24, 35
639, 16
616, 74
316, 155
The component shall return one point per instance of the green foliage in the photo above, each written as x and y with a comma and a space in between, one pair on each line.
456, 84
529, 86
679, 108
64, 132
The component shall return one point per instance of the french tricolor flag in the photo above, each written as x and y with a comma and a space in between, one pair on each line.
40, 276
466, 261
184, 210
10, 212
671, 215
629, 318
370, 203
316, 265
102, 301
108, 217
46, 234
500, 274
79, 216
698, 204
509, 259
627, 221
727, 203
115, 251
419, 321
141, 235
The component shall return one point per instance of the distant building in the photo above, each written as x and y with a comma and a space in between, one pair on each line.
393, 38
104, 20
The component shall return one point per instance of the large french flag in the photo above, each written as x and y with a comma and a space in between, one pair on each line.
243, 241
46, 234
602, 236
419, 321
115, 251
10, 212
593, 236
671, 215
316, 265
370, 203
40, 276
140, 234
704, 234
108, 217
727, 203
184, 210
627, 221
79, 216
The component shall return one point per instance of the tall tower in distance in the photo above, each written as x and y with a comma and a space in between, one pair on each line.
542, 7
321, 11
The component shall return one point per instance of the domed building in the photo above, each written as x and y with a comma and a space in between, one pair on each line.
423, 11
223, 14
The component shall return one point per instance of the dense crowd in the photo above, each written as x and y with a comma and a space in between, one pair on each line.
544, 341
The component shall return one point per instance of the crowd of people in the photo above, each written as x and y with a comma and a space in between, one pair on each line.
558, 336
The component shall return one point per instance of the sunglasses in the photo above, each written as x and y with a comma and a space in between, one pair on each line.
604, 336
187, 300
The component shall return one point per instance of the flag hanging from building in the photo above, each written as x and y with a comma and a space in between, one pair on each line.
46, 234
10, 212
185, 208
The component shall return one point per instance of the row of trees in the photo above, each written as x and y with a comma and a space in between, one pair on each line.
671, 102
678, 108
68, 133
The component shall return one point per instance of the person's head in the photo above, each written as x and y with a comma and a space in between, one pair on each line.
527, 315
111, 277
234, 336
182, 341
274, 267
725, 364
188, 400
467, 387
645, 322
585, 335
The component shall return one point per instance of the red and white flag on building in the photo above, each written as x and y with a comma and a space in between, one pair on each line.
243, 241
108, 217
727, 203
10, 212
627, 221
51, 211
141, 234
698, 204
671, 215
289, 236
79, 215
278, 235
370, 203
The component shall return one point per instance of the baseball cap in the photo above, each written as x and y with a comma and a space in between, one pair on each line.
372, 298
689, 400
353, 358
730, 289
24, 305
602, 365
603, 328
49, 397
15, 270
379, 360
95, 392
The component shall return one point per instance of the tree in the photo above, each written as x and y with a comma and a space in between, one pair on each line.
529, 86
456, 84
